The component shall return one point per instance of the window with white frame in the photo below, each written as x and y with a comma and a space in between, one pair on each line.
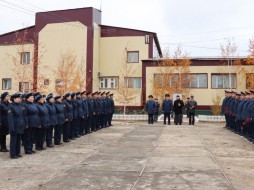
110, 83
25, 57
249, 80
132, 57
59, 83
224, 80
133, 82
197, 81
24, 87
6, 84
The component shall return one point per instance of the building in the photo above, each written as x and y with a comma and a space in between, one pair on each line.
32, 56
211, 76
31, 59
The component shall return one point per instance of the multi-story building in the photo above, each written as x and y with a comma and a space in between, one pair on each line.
31, 57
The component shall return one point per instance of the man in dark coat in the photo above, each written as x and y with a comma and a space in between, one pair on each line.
167, 108
150, 108
60, 112
17, 126
112, 109
5, 115
68, 117
156, 113
34, 123
52, 119
192, 105
178, 109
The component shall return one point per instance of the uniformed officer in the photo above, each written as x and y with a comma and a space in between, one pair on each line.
108, 109
17, 125
74, 123
60, 112
33, 123
5, 115
239, 116
40, 132
224, 107
95, 111
85, 124
69, 117
192, 105
104, 110
150, 108
178, 109
112, 105
80, 126
167, 108
52, 119
156, 113
98, 109
246, 115
90, 103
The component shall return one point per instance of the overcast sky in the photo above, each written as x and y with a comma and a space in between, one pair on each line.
200, 26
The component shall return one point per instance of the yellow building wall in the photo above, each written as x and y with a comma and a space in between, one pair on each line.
11, 67
56, 39
204, 96
113, 55
96, 57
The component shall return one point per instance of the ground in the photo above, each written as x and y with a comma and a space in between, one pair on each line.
135, 155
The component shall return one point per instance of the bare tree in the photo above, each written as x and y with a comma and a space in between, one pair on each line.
173, 74
124, 94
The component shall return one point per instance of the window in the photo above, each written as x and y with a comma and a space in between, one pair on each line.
59, 83
133, 82
24, 86
166, 80
46, 81
250, 80
6, 84
109, 82
25, 57
196, 81
132, 57
224, 80
147, 39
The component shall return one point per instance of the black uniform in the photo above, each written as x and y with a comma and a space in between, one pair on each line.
60, 112
192, 105
4, 130
178, 109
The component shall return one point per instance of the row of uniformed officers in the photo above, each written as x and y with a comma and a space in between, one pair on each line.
238, 108
36, 118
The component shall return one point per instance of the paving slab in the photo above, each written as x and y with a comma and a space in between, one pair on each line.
135, 155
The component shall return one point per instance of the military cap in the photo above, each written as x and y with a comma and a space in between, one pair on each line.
83, 92
49, 97
78, 93
150, 96
67, 95
57, 97
108, 92
36, 94
103, 93
238, 93
98, 92
88, 93
192, 96
73, 94
111, 94
167, 95
16, 95
177, 96
226, 91
243, 93
4, 95
44, 96
247, 93
28, 95
37, 98
252, 91
23, 95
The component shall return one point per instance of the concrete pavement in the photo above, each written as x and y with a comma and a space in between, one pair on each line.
138, 156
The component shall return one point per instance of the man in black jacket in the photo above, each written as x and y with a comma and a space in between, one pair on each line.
178, 109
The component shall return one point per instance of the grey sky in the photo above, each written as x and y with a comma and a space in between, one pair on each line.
199, 25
